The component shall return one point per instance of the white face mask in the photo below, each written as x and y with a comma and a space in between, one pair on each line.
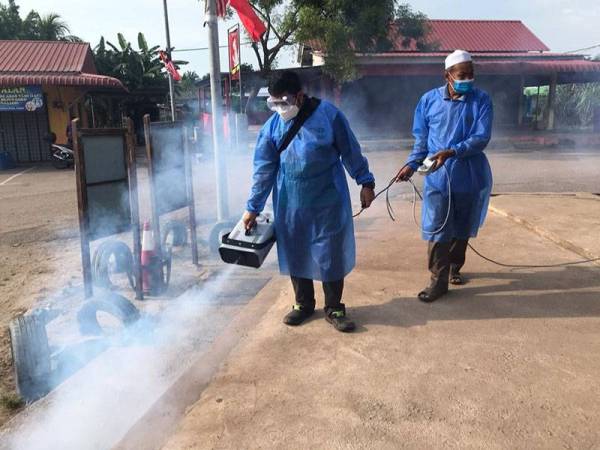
287, 112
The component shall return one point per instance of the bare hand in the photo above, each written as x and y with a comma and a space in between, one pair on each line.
441, 157
367, 195
249, 219
405, 173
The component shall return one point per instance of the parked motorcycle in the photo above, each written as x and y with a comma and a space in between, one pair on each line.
61, 155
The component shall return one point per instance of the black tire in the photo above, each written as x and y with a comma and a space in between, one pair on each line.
100, 263
220, 229
111, 303
31, 356
59, 164
177, 230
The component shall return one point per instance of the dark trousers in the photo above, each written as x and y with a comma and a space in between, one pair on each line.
305, 293
445, 259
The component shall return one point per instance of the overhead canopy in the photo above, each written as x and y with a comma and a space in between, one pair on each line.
573, 69
83, 80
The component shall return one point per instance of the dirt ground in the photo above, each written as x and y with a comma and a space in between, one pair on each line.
38, 235
39, 240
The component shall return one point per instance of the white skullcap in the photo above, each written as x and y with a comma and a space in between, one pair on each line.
457, 57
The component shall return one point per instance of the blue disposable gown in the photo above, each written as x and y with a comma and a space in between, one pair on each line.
464, 126
311, 201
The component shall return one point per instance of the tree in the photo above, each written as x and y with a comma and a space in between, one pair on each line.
139, 69
281, 20
49, 27
52, 28
187, 86
340, 28
575, 104
10, 21
344, 28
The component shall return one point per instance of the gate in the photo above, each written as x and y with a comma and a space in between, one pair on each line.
23, 134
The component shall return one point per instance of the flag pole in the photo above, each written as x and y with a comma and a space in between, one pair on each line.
240, 72
171, 84
217, 113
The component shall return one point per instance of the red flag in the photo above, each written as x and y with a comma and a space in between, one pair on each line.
253, 25
169, 66
221, 7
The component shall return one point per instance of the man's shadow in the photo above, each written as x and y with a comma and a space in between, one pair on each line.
568, 293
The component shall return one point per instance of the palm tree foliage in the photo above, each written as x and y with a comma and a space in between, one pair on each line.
139, 69
46, 27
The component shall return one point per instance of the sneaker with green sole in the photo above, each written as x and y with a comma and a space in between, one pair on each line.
337, 318
298, 314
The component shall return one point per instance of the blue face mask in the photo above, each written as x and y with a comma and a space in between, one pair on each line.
463, 86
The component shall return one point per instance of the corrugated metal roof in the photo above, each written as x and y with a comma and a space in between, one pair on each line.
548, 67
478, 36
484, 36
42, 56
521, 56
55, 63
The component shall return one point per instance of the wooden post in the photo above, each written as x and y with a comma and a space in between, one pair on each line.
135, 209
86, 263
152, 186
189, 181
536, 125
552, 101
521, 101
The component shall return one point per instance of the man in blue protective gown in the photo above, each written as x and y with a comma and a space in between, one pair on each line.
311, 200
452, 125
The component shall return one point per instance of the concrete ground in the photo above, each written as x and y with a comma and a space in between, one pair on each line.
509, 360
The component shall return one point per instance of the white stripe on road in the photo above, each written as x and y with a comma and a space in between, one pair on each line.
16, 175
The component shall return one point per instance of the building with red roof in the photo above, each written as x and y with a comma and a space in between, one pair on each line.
508, 58
43, 85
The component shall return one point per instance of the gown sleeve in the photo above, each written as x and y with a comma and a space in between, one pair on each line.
480, 134
352, 158
421, 134
266, 165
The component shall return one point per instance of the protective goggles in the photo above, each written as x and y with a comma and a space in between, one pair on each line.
273, 103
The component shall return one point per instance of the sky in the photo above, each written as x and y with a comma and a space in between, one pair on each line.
563, 25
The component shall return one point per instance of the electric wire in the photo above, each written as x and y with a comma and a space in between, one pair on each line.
386, 189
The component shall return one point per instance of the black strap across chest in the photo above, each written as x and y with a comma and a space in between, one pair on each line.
308, 107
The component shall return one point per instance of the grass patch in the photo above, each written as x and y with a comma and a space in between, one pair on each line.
11, 401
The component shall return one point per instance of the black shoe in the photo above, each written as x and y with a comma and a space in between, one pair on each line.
457, 279
431, 294
337, 318
298, 315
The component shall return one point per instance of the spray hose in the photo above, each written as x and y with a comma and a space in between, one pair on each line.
416, 194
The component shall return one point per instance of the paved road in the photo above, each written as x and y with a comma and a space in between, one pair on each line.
546, 171
552, 170
46, 197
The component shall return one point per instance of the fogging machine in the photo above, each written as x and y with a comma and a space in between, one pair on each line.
249, 247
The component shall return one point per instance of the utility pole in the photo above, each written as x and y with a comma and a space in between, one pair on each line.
217, 112
171, 85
